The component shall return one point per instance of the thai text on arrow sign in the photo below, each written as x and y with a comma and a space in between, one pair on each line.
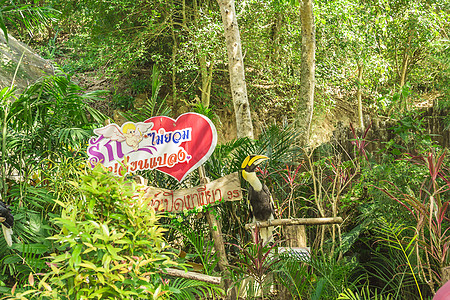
226, 188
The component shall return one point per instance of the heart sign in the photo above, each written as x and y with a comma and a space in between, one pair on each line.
175, 147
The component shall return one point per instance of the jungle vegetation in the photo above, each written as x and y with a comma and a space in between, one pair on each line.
77, 234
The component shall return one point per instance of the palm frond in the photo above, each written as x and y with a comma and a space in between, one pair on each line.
203, 249
364, 294
294, 275
226, 158
73, 137
186, 289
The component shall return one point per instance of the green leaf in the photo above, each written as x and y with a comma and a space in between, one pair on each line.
99, 293
75, 260
88, 264
69, 224
3, 26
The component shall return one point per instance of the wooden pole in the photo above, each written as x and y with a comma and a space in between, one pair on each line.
219, 246
445, 274
192, 275
216, 229
298, 221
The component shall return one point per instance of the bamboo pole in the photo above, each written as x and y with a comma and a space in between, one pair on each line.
216, 230
298, 221
192, 275
216, 233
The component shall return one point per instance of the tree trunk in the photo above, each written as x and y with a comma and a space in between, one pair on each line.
236, 69
206, 67
174, 68
206, 71
275, 37
403, 73
359, 94
307, 80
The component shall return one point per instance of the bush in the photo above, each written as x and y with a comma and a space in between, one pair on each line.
110, 245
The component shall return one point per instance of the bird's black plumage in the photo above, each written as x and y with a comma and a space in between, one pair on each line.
259, 196
7, 221
261, 203
5, 212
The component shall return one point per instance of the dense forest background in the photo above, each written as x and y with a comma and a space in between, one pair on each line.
396, 53
376, 155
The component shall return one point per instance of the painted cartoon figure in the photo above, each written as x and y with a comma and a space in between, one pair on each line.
131, 133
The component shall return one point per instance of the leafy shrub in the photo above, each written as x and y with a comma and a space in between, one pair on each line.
110, 245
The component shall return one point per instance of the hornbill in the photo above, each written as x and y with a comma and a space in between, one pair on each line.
261, 202
7, 220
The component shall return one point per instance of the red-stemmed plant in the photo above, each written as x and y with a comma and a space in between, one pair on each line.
429, 209
360, 143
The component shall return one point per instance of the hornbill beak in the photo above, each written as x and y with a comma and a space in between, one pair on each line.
251, 161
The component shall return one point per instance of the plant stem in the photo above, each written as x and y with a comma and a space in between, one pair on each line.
409, 264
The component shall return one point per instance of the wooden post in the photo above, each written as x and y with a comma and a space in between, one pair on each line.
445, 275
219, 246
295, 238
295, 235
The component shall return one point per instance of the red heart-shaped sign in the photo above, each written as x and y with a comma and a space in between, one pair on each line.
175, 147
199, 145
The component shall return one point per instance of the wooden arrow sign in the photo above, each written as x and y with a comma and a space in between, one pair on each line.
226, 188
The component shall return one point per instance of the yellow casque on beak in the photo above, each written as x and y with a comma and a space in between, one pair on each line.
244, 175
250, 160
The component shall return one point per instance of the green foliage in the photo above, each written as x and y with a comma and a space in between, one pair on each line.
202, 248
427, 205
21, 13
226, 158
45, 130
443, 77
363, 295
30, 232
109, 240
28, 123
255, 267
411, 135
46, 124
332, 274
392, 235
294, 275
154, 106
182, 289
50, 117
389, 272
206, 111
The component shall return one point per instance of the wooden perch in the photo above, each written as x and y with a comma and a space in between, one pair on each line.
299, 221
192, 275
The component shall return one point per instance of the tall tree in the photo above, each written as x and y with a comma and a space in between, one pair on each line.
308, 65
236, 69
405, 33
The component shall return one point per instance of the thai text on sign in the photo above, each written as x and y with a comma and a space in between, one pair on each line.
175, 147
226, 188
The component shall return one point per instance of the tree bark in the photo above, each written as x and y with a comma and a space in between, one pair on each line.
308, 65
236, 69
206, 67
216, 233
174, 67
359, 95
206, 71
